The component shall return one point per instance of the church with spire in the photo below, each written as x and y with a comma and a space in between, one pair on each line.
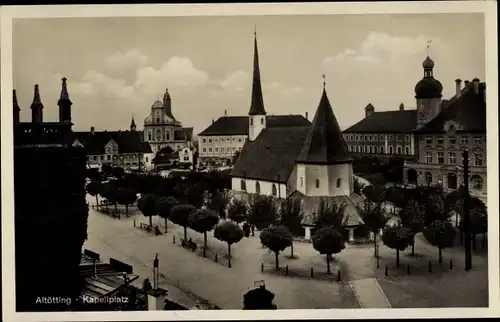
225, 138
307, 161
162, 129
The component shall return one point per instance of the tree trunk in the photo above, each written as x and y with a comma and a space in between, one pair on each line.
440, 255
328, 271
97, 201
151, 221
277, 261
126, 210
165, 224
204, 243
253, 230
116, 209
185, 233
474, 245
397, 258
229, 254
375, 245
291, 249
413, 248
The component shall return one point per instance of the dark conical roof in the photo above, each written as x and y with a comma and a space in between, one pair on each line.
132, 124
64, 93
37, 101
257, 104
324, 143
14, 98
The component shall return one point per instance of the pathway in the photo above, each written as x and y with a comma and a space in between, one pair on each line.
369, 294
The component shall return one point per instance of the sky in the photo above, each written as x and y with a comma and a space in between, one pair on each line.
117, 67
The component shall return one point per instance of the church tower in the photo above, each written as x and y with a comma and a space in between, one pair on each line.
64, 104
133, 127
167, 104
428, 94
37, 107
16, 107
257, 113
324, 167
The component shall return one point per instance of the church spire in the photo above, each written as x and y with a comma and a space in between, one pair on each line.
37, 107
324, 143
16, 107
133, 127
64, 103
257, 104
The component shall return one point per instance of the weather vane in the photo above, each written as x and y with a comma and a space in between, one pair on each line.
429, 42
324, 80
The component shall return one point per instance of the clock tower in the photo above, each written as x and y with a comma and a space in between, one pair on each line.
428, 94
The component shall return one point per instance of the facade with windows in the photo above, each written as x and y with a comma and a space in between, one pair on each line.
162, 129
459, 125
383, 134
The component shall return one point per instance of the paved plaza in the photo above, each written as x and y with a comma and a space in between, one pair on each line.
362, 283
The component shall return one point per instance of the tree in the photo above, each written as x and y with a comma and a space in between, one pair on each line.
180, 216
219, 201
375, 193
110, 192
164, 207
263, 211
436, 206
118, 172
126, 197
375, 219
358, 186
440, 233
328, 241
147, 205
259, 299
398, 238
203, 221
94, 188
230, 233
291, 215
276, 238
106, 170
478, 219
413, 217
329, 214
237, 211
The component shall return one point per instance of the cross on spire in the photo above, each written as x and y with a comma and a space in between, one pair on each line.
429, 42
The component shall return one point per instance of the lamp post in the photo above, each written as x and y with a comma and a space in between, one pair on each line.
466, 226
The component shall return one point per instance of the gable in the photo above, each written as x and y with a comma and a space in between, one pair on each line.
77, 144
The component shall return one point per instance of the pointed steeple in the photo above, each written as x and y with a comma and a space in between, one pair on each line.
36, 107
257, 104
324, 143
64, 103
133, 127
16, 108
167, 104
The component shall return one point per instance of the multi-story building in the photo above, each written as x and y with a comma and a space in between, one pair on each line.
383, 134
162, 129
116, 148
441, 141
226, 136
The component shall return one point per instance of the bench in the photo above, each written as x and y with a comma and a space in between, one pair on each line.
186, 244
150, 229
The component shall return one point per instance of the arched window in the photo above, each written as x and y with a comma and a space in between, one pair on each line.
452, 180
477, 182
399, 150
381, 149
390, 150
339, 181
243, 185
257, 187
301, 182
251, 121
158, 135
317, 183
262, 121
274, 192
428, 178
167, 136
150, 136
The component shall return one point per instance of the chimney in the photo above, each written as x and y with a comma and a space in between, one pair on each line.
307, 116
476, 85
225, 112
466, 82
213, 120
458, 84
369, 110
92, 130
401, 107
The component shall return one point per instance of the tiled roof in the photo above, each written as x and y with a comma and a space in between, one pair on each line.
468, 111
185, 133
238, 125
386, 122
324, 143
310, 205
272, 155
128, 141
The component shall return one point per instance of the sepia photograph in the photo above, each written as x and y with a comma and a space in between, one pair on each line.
221, 159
